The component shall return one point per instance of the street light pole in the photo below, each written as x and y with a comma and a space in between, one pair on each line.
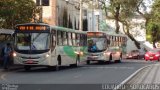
41, 12
97, 1
80, 16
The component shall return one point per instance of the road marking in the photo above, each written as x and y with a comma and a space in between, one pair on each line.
130, 77
101, 67
2, 77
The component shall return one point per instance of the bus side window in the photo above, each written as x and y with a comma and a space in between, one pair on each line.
77, 39
73, 39
53, 39
59, 39
69, 39
64, 38
81, 40
85, 40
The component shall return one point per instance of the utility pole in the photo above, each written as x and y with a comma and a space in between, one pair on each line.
92, 17
41, 12
97, 1
80, 17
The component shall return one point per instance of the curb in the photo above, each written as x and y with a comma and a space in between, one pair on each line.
11, 68
130, 77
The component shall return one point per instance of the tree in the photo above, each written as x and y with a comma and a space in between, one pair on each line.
153, 25
141, 9
121, 11
14, 12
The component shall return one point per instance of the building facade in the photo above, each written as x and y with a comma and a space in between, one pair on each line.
63, 13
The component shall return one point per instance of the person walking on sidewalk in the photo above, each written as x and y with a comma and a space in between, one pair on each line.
7, 54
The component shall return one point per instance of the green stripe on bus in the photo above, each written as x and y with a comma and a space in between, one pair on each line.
69, 51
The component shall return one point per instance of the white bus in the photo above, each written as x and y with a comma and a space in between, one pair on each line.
41, 44
105, 47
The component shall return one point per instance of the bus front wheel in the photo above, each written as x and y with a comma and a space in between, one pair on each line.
59, 61
88, 62
110, 58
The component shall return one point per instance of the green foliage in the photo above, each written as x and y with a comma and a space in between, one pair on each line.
153, 26
123, 11
14, 12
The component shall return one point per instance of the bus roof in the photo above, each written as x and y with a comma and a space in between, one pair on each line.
6, 31
67, 29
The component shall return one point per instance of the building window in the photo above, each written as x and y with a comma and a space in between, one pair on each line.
43, 2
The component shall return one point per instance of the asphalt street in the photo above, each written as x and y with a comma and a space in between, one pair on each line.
94, 74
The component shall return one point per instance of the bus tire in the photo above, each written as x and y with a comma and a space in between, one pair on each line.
88, 62
27, 68
119, 61
59, 61
110, 58
77, 61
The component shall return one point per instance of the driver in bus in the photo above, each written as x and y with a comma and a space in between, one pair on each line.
94, 47
21, 42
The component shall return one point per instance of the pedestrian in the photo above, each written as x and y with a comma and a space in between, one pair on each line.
7, 54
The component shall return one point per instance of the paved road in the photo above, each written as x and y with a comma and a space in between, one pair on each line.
113, 73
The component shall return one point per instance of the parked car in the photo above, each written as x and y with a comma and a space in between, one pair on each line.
136, 54
152, 55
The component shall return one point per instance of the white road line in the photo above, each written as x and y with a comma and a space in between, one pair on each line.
101, 67
130, 77
2, 77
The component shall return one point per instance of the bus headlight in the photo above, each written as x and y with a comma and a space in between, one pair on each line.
14, 54
47, 55
81, 53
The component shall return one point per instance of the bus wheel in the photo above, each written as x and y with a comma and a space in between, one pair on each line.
59, 63
120, 59
77, 61
88, 62
59, 60
110, 58
27, 68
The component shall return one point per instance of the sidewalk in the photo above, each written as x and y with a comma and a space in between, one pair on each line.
11, 68
146, 79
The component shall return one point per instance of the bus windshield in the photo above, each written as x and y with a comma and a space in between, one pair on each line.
32, 41
97, 44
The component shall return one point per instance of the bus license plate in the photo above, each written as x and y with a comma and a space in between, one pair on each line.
29, 61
